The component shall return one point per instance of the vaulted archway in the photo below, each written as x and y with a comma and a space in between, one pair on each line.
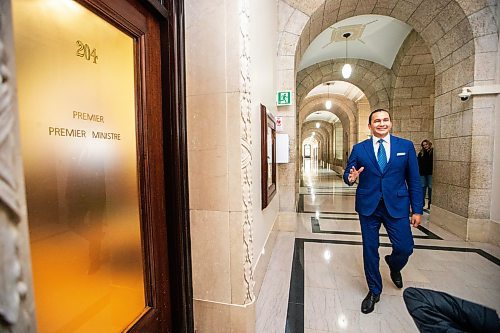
455, 33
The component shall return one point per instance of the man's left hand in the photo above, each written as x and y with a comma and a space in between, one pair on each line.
415, 220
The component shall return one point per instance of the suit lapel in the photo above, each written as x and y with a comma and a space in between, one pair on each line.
368, 144
394, 144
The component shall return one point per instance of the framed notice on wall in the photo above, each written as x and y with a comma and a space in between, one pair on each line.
268, 156
282, 148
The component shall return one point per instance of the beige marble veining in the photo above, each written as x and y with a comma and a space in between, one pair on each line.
353, 226
327, 204
207, 76
262, 262
236, 257
209, 255
272, 303
234, 156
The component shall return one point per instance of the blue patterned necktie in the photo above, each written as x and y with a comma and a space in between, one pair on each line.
381, 155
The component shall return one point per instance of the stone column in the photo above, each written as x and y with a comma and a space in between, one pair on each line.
363, 114
494, 233
288, 37
16, 293
220, 165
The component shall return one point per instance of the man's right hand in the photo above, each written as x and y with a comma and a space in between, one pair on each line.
354, 174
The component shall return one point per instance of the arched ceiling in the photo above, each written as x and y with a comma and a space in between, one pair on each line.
314, 135
375, 38
311, 140
343, 88
326, 116
307, 7
373, 79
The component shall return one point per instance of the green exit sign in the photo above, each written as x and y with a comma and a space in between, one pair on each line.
284, 98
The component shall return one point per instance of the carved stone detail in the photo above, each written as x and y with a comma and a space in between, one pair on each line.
10, 272
12, 288
8, 186
246, 152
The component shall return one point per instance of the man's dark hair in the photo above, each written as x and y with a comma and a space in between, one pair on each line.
374, 111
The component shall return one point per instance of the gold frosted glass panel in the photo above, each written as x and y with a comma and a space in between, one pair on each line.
76, 93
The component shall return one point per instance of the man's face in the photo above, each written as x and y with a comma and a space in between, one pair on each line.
381, 124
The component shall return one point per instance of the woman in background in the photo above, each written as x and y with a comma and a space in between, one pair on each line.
425, 168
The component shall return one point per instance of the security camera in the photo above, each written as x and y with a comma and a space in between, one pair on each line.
465, 94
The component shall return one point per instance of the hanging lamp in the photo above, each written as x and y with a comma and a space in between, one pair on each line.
347, 69
328, 103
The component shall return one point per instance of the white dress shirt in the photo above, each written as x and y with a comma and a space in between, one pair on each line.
386, 143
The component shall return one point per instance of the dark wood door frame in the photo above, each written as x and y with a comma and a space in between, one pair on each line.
267, 121
176, 173
158, 29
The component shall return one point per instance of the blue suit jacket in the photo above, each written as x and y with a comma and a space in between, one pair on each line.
399, 183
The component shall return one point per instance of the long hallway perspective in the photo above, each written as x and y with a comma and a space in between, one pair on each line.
315, 280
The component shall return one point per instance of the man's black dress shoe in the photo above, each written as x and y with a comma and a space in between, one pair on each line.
368, 304
395, 276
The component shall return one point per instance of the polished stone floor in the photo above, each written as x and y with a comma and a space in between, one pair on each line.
315, 281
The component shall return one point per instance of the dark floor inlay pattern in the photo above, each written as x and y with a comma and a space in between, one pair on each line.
316, 228
339, 218
335, 213
295, 312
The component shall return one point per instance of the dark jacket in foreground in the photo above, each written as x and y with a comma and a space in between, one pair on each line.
438, 312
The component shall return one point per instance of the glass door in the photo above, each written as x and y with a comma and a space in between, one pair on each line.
83, 113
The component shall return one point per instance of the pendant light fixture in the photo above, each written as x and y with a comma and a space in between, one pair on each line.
347, 69
328, 103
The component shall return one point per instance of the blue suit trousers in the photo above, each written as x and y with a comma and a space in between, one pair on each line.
399, 231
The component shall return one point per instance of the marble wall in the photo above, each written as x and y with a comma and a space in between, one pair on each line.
231, 236
262, 49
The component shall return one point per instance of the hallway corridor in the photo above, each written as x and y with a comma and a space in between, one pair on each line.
175, 165
315, 281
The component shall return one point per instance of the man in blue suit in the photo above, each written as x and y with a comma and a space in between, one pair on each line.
386, 170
